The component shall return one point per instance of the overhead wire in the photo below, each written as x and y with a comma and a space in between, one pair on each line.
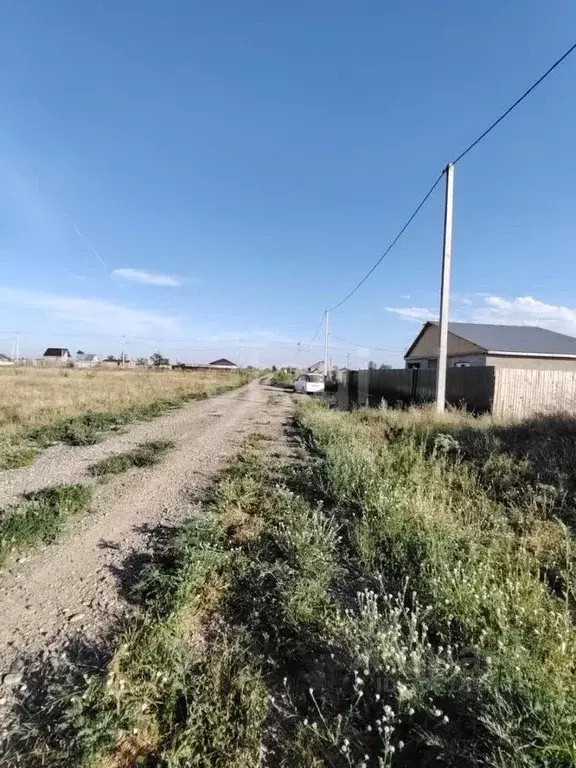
392, 244
516, 103
307, 345
471, 146
368, 346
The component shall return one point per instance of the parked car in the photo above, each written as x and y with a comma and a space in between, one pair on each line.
309, 383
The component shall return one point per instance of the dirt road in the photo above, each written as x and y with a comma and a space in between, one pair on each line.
75, 586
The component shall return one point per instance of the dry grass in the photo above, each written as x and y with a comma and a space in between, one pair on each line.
34, 400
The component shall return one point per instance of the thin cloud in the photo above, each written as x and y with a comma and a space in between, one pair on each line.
148, 278
526, 310
486, 308
414, 313
105, 315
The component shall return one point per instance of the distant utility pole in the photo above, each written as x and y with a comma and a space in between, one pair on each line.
241, 353
123, 350
445, 291
347, 361
298, 348
17, 347
326, 333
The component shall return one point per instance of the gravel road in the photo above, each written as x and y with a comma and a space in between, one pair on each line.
73, 586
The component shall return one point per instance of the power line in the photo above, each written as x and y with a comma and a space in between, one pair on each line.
460, 156
305, 346
367, 346
516, 103
392, 244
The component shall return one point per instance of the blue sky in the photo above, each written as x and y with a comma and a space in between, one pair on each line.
188, 174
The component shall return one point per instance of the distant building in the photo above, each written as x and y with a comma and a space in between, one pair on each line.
222, 363
56, 354
83, 360
5, 360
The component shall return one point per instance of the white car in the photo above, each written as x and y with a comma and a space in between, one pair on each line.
309, 383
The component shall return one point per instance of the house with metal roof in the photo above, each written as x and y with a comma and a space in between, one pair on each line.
498, 346
83, 360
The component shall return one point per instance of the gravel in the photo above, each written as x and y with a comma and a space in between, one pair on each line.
73, 586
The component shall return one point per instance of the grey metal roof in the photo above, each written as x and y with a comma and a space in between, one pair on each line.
515, 338
86, 358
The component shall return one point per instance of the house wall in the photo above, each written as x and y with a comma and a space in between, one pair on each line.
432, 362
532, 363
427, 345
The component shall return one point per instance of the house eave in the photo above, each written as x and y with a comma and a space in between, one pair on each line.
548, 355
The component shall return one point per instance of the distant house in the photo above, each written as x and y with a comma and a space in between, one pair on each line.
316, 367
57, 353
222, 363
83, 360
498, 346
5, 360
116, 362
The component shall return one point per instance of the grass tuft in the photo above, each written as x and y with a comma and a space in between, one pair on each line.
41, 518
146, 455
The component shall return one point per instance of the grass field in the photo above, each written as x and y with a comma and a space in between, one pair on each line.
41, 406
404, 595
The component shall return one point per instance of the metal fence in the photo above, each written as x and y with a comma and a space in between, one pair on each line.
472, 388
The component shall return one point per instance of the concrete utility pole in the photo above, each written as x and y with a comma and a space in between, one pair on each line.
445, 291
347, 361
241, 353
17, 347
298, 348
326, 332
123, 350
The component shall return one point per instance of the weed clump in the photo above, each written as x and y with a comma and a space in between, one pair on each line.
146, 455
41, 518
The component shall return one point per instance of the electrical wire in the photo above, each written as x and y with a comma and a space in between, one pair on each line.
367, 346
516, 103
460, 156
307, 345
392, 244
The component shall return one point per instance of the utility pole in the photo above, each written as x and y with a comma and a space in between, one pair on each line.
17, 347
298, 348
123, 350
241, 354
347, 361
14, 346
445, 291
326, 343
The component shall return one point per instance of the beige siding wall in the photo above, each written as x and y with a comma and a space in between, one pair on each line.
427, 345
532, 363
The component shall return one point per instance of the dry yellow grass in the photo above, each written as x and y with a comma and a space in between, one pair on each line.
33, 397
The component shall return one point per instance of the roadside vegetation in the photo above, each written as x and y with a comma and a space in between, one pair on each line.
390, 599
145, 455
40, 518
40, 407
282, 379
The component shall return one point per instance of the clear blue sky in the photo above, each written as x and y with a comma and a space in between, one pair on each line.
260, 155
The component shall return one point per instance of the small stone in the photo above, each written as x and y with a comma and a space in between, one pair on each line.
13, 678
76, 617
